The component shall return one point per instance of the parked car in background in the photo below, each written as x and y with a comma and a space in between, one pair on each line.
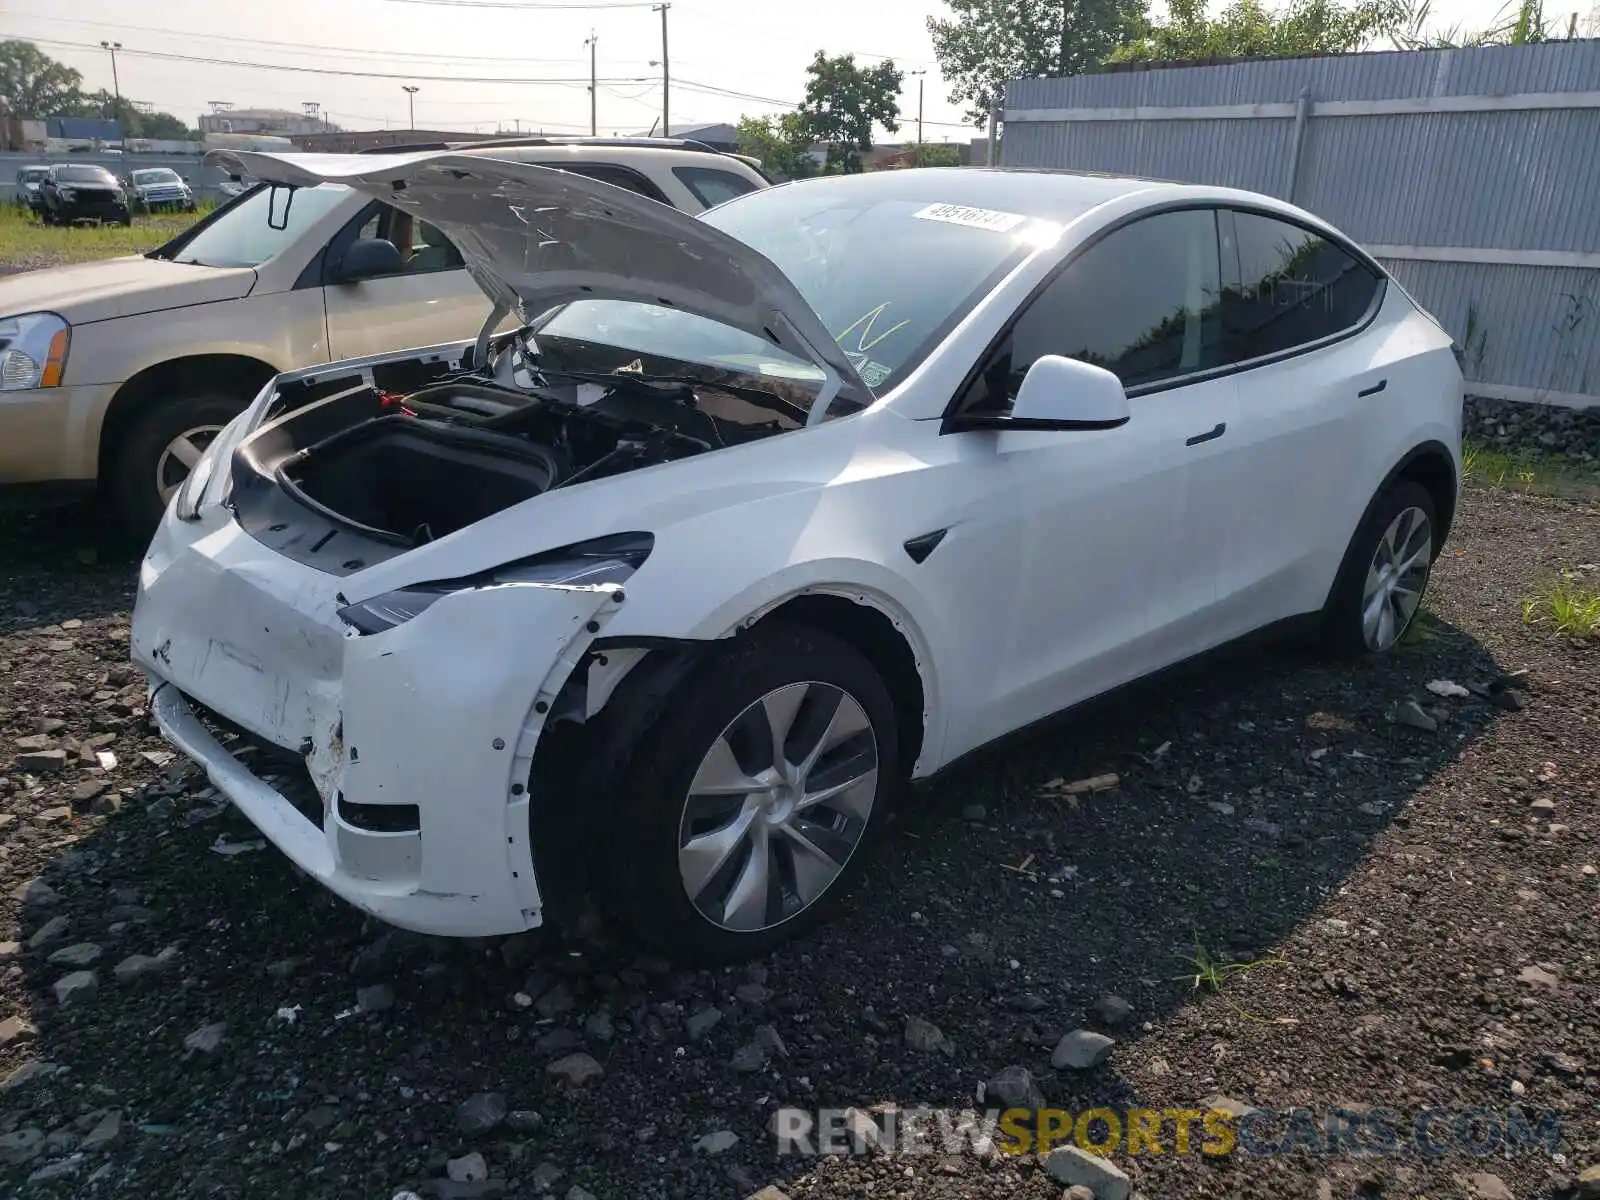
28, 180
661, 596
159, 189
76, 192
230, 188
118, 373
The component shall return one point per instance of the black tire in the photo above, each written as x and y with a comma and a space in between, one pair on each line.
132, 492
1343, 634
638, 875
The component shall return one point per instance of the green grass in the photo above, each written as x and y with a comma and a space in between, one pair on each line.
1570, 605
26, 244
1526, 471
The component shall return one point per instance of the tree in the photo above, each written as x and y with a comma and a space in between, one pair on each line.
1248, 29
842, 104
936, 154
779, 143
32, 84
990, 41
1514, 25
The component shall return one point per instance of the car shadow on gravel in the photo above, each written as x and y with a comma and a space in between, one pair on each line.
238, 1020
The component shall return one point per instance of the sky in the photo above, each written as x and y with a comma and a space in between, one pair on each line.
355, 56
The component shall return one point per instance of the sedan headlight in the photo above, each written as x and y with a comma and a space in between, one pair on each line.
604, 560
33, 351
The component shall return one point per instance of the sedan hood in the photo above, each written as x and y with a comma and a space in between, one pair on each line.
535, 237
120, 287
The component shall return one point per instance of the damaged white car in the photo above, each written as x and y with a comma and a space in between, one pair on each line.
662, 595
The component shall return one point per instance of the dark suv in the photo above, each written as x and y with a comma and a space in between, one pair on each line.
83, 192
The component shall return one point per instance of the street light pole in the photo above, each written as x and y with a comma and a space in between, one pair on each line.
116, 87
594, 91
666, 79
411, 91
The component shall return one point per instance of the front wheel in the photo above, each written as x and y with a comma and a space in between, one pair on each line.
750, 808
1384, 575
157, 452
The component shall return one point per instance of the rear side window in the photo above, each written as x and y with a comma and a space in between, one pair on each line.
622, 177
710, 186
1287, 287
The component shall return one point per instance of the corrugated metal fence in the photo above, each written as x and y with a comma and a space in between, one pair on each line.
1474, 175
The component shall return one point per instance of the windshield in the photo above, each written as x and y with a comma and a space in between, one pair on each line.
32, 174
84, 175
888, 275
259, 226
145, 178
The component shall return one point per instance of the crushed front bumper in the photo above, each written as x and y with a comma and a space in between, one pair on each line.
419, 739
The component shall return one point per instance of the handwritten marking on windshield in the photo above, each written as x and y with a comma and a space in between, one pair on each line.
870, 319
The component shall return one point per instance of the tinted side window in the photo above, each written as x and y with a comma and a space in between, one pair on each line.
711, 187
1287, 287
622, 177
1143, 303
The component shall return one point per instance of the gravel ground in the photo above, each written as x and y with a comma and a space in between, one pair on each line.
180, 1022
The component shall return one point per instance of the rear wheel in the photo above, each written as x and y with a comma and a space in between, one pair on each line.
750, 809
157, 453
1384, 575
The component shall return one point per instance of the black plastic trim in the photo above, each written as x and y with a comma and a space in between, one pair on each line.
1373, 390
1209, 435
924, 544
999, 421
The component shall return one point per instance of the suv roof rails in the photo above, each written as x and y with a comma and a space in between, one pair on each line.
645, 143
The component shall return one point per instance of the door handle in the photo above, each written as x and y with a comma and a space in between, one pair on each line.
1210, 435
1373, 390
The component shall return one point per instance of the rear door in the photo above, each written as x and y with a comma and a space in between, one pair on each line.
1294, 306
431, 299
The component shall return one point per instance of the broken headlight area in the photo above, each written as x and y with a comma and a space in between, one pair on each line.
603, 560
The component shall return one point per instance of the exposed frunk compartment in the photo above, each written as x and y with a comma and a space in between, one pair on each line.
413, 481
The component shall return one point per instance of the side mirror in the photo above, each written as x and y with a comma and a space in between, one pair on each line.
1059, 394
367, 258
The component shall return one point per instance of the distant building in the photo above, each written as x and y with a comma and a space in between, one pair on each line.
280, 121
347, 141
83, 129
720, 136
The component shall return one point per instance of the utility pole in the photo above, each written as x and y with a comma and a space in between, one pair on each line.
116, 87
666, 77
411, 90
919, 75
594, 90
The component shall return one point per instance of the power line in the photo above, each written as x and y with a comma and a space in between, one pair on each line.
574, 4
256, 66
337, 51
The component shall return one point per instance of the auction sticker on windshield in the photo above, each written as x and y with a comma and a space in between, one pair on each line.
976, 218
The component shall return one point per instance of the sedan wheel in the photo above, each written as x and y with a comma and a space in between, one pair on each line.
778, 806
1396, 578
179, 457
746, 799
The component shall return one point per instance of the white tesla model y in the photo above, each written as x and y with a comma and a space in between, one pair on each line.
724, 528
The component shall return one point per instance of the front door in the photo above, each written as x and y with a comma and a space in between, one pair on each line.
431, 299
1107, 582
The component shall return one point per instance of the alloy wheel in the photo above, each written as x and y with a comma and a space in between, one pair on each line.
179, 457
777, 807
1396, 578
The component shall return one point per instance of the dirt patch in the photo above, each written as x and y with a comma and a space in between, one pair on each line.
1422, 903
